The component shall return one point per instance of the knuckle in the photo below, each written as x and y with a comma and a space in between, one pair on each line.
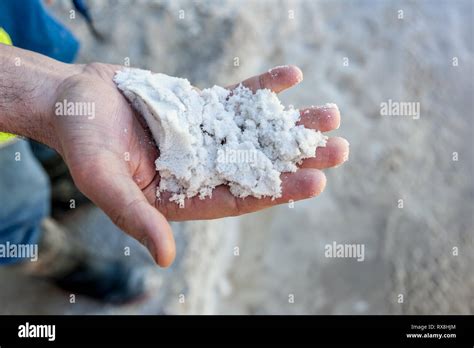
261, 81
121, 216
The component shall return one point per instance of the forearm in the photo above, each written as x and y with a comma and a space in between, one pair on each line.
28, 88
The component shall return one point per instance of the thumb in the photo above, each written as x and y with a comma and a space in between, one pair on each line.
123, 201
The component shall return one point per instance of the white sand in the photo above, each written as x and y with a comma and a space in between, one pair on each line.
239, 138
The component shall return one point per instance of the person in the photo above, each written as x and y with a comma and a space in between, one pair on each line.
124, 187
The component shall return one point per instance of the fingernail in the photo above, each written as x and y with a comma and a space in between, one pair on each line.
346, 153
299, 76
329, 106
150, 246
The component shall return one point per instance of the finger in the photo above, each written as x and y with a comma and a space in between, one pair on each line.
304, 183
333, 154
115, 192
323, 118
277, 79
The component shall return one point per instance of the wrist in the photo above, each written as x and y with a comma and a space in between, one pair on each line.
47, 98
29, 87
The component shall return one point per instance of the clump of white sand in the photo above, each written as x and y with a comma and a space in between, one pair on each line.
216, 136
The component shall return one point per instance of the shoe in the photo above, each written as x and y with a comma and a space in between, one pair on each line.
65, 263
106, 281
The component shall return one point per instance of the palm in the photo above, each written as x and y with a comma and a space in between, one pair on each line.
111, 158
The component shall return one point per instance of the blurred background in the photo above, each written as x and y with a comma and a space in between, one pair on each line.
357, 54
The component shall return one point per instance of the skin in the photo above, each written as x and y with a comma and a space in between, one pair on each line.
111, 157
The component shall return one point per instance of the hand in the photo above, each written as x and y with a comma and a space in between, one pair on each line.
111, 158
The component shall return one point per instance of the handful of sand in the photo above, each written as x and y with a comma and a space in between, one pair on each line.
218, 137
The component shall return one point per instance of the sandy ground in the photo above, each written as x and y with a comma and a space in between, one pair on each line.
408, 251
